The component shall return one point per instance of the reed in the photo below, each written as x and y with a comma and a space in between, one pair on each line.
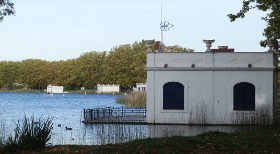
2, 135
133, 99
261, 116
28, 135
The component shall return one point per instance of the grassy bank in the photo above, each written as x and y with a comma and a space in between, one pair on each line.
21, 90
264, 140
133, 99
88, 91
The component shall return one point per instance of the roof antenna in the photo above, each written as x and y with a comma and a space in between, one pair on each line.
164, 25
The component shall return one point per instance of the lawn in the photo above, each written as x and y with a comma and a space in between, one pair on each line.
264, 140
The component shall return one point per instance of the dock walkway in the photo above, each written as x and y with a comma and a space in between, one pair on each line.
115, 115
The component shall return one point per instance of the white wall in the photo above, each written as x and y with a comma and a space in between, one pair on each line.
140, 87
54, 89
210, 60
208, 93
107, 88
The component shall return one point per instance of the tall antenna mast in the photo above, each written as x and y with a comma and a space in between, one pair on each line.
161, 22
164, 25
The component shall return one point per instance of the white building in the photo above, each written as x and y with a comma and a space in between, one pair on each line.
214, 87
103, 88
141, 87
54, 89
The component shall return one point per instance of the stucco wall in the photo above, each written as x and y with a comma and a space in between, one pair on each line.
107, 88
141, 87
208, 87
54, 89
210, 60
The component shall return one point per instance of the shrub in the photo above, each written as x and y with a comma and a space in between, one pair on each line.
29, 135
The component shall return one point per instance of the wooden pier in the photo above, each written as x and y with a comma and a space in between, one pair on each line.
110, 115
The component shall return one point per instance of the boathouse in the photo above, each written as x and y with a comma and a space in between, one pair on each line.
106, 88
218, 86
54, 89
140, 87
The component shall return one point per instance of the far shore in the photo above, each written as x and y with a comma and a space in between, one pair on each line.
87, 91
22, 90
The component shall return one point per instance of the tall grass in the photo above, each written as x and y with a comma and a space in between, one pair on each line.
133, 99
261, 116
28, 135
198, 113
2, 134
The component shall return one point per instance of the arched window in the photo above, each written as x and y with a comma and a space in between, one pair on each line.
173, 96
244, 96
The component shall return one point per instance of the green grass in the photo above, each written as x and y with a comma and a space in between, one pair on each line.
262, 140
133, 99
22, 90
87, 91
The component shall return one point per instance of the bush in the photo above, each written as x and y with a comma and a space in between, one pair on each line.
29, 135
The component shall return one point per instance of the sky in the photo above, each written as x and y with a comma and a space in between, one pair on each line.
64, 29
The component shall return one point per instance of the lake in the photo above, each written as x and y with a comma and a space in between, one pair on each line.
66, 109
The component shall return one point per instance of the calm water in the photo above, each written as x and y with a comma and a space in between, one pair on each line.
66, 110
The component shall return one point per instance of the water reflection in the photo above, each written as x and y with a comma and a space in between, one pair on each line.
101, 134
66, 112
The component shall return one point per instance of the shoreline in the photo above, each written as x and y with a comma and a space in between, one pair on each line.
90, 91
21, 91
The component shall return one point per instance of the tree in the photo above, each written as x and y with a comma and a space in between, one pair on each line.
272, 7
90, 68
9, 72
32, 73
123, 65
139, 62
117, 66
6, 9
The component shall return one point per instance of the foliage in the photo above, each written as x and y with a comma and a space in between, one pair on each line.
272, 7
29, 135
6, 9
21, 90
139, 63
133, 99
90, 68
181, 49
123, 65
117, 68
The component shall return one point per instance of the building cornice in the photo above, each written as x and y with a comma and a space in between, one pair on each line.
210, 69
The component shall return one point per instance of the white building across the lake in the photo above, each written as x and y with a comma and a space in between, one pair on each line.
140, 87
106, 88
51, 89
218, 86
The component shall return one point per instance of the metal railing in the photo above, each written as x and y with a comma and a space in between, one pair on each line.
99, 113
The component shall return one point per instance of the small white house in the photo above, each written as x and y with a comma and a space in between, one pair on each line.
140, 87
54, 89
103, 88
218, 86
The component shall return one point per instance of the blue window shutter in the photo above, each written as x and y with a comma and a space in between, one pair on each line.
173, 96
244, 97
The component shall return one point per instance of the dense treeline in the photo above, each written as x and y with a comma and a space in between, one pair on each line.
123, 65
